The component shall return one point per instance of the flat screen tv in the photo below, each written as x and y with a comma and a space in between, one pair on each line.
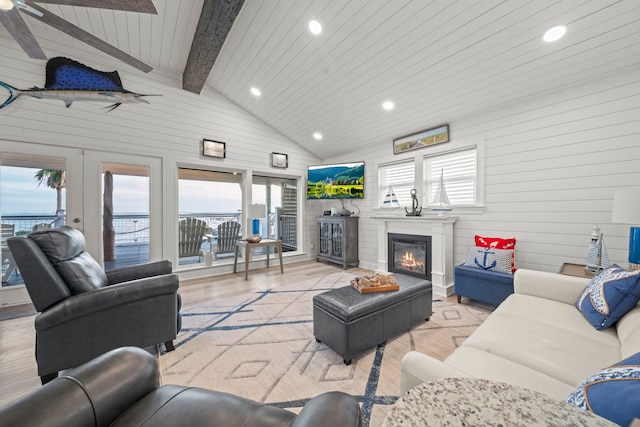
336, 181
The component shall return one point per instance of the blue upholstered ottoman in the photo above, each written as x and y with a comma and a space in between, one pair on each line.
349, 322
482, 285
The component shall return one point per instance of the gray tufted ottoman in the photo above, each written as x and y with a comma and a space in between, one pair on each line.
350, 322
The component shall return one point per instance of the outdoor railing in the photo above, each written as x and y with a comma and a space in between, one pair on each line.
134, 229
25, 223
129, 228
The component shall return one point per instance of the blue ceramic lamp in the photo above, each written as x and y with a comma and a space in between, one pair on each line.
256, 212
626, 210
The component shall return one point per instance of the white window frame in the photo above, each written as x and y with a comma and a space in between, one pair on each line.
430, 176
401, 187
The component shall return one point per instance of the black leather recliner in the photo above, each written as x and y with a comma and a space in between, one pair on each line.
120, 388
85, 311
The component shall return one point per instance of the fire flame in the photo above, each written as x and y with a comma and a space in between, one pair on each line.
409, 262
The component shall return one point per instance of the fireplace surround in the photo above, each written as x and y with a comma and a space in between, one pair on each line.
440, 228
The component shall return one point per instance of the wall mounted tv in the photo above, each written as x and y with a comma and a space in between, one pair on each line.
336, 181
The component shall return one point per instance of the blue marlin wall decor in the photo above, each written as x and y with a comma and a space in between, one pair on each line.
69, 81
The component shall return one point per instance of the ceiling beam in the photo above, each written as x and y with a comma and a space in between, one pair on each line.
13, 22
215, 22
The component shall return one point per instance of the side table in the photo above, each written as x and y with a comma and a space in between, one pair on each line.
479, 402
577, 270
247, 246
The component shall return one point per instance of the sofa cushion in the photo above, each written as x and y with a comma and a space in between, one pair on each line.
609, 296
64, 248
546, 336
612, 393
59, 244
173, 405
481, 364
490, 259
629, 332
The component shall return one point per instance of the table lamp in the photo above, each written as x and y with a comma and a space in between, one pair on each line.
626, 210
256, 212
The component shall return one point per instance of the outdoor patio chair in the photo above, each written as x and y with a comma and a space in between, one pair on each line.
228, 233
190, 236
8, 230
41, 226
85, 311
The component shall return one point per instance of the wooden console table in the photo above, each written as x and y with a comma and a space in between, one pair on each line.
247, 246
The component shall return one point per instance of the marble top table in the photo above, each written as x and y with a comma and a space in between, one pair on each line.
478, 402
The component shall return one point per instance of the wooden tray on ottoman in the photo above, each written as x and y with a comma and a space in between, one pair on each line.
376, 283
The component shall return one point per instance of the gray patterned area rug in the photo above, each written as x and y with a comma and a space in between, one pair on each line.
261, 346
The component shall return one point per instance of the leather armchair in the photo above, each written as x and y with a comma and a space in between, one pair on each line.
85, 311
120, 388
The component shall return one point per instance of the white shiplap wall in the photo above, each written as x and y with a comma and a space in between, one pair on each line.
552, 166
552, 163
171, 126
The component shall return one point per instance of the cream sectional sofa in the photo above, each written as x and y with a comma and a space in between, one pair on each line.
536, 339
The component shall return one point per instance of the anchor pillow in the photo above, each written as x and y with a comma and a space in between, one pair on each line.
498, 243
490, 259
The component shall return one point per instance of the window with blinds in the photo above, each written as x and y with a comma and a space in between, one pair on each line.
399, 176
460, 175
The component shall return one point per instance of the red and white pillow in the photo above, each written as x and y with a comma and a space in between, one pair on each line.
499, 243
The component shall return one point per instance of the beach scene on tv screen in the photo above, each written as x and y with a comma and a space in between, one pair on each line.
336, 181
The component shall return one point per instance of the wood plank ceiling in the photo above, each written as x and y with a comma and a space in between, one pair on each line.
438, 60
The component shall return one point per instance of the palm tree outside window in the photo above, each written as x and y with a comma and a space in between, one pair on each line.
55, 179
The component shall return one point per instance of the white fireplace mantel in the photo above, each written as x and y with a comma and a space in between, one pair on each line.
440, 228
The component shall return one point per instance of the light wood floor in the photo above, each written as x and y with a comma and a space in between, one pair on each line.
18, 372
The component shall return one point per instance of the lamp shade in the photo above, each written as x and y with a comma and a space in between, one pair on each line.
6, 5
256, 211
626, 207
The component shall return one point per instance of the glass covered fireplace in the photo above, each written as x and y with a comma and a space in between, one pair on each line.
409, 254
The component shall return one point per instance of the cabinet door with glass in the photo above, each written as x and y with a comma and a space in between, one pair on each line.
338, 240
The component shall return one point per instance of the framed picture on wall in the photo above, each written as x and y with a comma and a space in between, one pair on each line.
279, 160
424, 138
214, 148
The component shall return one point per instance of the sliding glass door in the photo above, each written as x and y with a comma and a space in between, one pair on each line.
280, 196
209, 207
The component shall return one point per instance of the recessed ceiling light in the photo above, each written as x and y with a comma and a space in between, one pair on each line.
317, 136
255, 91
388, 105
555, 33
315, 27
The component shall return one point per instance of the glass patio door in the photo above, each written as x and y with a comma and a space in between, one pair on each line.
38, 189
123, 201
280, 196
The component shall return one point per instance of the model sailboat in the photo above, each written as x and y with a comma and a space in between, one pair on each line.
440, 203
597, 258
390, 200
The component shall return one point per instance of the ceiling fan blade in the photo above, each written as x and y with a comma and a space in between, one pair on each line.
16, 26
76, 32
142, 6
